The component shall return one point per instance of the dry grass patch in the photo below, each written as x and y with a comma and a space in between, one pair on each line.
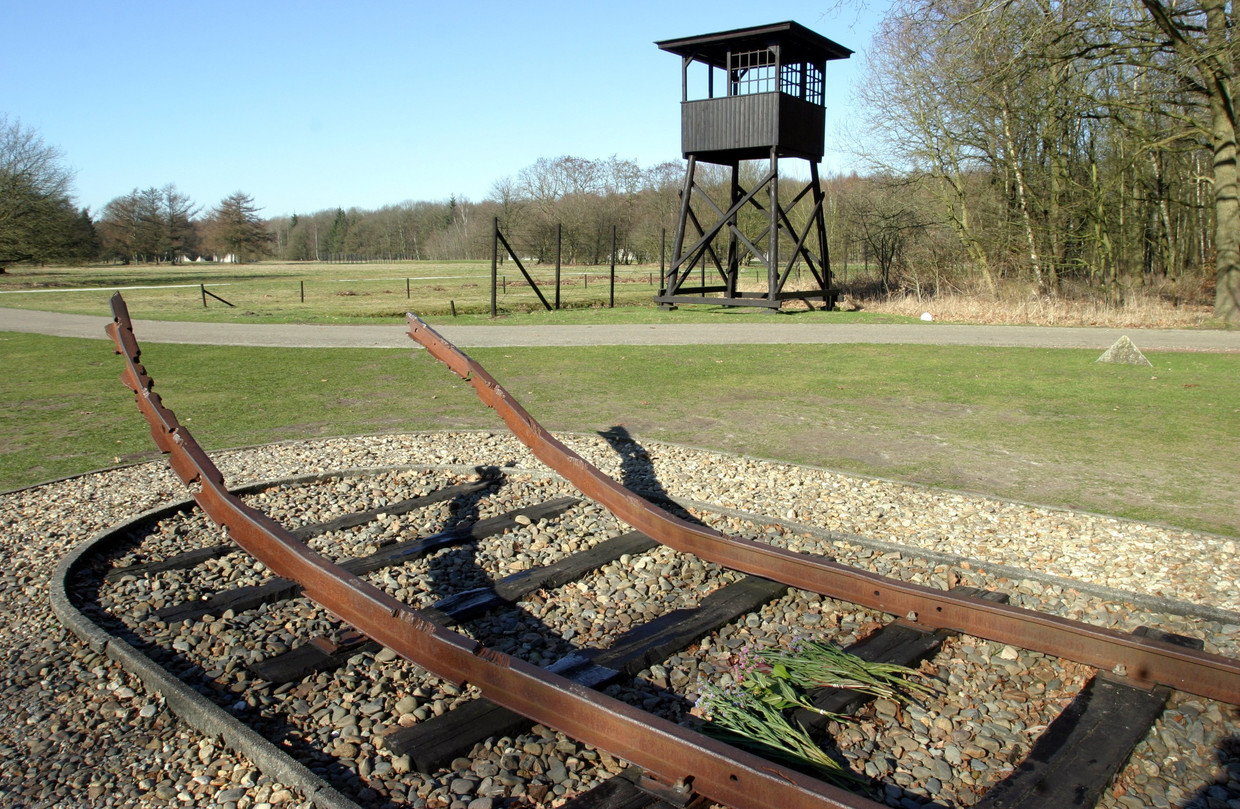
1161, 307
1165, 306
1137, 311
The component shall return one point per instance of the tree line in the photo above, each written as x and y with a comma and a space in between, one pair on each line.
40, 223
1059, 144
164, 225
580, 198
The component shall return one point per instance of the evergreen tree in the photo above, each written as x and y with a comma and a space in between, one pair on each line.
37, 216
334, 244
234, 228
176, 212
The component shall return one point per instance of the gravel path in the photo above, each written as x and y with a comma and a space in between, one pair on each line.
395, 336
81, 731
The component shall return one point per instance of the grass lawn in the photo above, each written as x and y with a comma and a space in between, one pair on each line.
317, 293
370, 293
1045, 426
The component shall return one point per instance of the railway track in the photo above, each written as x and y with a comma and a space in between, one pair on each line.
582, 635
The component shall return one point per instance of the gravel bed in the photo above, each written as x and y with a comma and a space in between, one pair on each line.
84, 732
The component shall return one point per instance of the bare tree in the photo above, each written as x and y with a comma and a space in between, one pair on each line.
129, 227
886, 218
153, 224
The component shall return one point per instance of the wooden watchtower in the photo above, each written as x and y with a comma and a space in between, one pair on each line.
763, 100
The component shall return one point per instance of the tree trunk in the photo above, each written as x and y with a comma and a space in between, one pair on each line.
1168, 247
955, 203
1226, 178
1216, 67
1014, 163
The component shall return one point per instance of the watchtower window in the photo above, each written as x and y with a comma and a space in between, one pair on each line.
790, 77
802, 80
753, 72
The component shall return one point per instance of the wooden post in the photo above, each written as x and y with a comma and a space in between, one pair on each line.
611, 295
558, 244
303, 291
494, 261
662, 251
203, 287
772, 269
406, 289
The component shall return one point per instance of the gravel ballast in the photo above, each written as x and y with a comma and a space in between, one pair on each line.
85, 731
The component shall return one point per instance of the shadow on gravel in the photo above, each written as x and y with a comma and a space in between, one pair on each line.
638, 475
1225, 791
515, 630
637, 472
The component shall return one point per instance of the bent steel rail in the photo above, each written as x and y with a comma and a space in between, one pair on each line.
1144, 660
710, 768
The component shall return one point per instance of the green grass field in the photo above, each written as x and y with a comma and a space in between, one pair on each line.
361, 293
1044, 426
333, 293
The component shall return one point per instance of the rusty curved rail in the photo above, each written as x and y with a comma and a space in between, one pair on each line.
1142, 659
710, 768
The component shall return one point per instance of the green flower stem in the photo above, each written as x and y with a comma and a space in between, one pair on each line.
750, 714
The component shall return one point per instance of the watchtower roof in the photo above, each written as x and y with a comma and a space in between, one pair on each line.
797, 43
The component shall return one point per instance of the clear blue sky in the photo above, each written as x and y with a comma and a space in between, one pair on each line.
311, 105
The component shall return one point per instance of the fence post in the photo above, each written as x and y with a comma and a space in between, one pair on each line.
203, 287
558, 243
611, 296
406, 289
494, 261
303, 291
